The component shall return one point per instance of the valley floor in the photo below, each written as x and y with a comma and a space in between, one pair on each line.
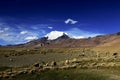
69, 64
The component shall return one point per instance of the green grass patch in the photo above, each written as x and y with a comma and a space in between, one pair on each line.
4, 68
71, 74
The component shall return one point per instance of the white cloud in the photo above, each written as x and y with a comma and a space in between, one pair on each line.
50, 27
54, 35
15, 35
34, 27
70, 21
4, 35
78, 33
29, 38
77, 37
23, 32
1, 31
39, 26
6, 28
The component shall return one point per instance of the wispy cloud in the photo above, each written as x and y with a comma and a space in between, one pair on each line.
50, 27
77, 37
39, 26
4, 35
78, 33
17, 34
70, 21
23, 32
30, 38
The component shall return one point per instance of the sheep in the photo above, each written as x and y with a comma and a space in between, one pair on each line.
66, 62
53, 63
115, 55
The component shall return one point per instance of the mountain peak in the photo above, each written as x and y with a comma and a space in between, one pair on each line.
64, 36
56, 34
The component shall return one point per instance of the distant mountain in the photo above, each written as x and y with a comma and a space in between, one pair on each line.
45, 42
55, 34
65, 41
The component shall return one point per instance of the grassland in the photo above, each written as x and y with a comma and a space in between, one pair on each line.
25, 57
91, 63
71, 74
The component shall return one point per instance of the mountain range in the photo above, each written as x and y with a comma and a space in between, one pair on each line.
64, 41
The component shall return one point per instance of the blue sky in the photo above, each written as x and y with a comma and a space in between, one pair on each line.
24, 20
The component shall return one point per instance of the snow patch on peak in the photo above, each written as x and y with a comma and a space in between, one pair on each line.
54, 34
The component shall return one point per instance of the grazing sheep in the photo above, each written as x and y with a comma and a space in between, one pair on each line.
66, 62
115, 55
47, 64
68, 67
53, 63
10, 59
1, 74
32, 71
107, 54
98, 55
74, 60
5, 76
82, 55
36, 65
28, 50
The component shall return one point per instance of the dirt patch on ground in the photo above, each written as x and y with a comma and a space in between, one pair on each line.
27, 60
